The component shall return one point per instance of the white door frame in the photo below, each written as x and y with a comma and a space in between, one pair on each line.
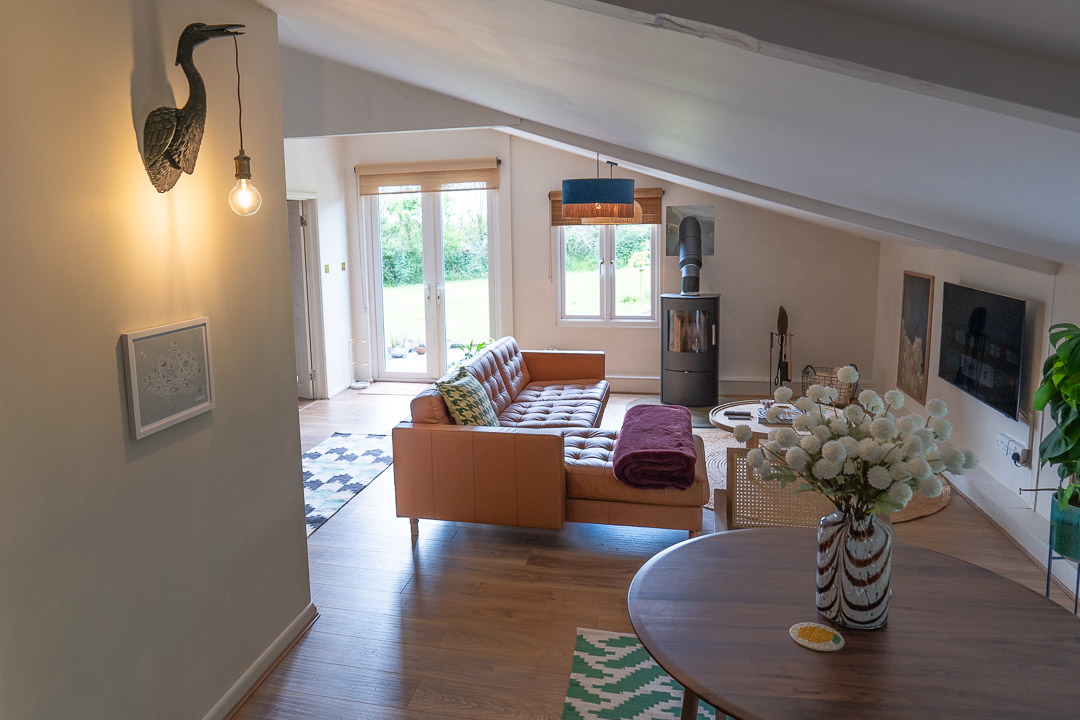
370, 206
309, 208
305, 386
370, 236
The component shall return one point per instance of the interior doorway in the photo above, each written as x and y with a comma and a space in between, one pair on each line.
306, 299
432, 287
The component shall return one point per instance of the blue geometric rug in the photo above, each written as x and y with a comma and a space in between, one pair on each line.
614, 678
338, 468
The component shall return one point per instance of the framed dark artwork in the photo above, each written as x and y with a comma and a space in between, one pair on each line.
168, 375
915, 325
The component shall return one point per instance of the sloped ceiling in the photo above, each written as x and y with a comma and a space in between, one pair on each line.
954, 123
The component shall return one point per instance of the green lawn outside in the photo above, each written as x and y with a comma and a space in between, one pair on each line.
467, 304
466, 311
631, 292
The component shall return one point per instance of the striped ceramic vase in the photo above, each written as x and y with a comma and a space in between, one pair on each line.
854, 561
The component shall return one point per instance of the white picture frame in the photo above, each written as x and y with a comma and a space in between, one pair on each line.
169, 375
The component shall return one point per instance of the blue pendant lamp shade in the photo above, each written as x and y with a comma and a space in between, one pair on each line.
598, 197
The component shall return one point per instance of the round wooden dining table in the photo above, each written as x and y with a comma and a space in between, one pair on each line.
960, 642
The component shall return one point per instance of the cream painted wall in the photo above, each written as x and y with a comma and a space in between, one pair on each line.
323, 97
1067, 295
754, 247
317, 166
994, 485
141, 579
975, 423
762, 260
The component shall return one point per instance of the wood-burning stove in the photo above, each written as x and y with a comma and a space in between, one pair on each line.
690, 350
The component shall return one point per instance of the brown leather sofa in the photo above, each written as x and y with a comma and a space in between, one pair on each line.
508, 475
524, 472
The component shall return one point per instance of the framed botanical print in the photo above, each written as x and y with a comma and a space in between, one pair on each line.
915, 325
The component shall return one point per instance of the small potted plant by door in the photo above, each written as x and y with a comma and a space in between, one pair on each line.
1060, 391
397, 347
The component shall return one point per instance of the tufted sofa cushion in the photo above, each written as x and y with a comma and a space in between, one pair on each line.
595, 390
501, 369
571, 405
589, 474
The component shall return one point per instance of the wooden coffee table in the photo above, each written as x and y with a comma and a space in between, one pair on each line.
718, 417
961, 641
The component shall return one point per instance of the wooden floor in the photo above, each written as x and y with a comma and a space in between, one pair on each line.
477, 621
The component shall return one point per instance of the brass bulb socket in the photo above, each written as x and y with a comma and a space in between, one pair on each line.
243, 166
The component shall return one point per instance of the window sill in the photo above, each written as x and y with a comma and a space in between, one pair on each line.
625, 323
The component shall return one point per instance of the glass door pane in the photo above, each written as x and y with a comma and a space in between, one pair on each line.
464, 287
581, 260
633, 270
404, 292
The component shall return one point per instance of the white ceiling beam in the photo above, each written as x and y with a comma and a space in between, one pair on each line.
855, 221
1016, 81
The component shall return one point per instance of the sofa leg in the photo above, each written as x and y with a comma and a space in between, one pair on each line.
694, 533
414, 527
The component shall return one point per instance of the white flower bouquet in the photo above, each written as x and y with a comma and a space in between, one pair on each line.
863, 458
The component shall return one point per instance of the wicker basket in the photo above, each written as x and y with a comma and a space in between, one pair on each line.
821, 375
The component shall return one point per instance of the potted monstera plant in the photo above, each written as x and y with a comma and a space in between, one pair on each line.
1060, 391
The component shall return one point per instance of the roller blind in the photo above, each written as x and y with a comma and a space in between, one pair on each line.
434, 176
650, 199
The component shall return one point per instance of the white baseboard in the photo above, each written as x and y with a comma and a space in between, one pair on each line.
270, 657
644, 384
734, 386
730, 385
1029, 529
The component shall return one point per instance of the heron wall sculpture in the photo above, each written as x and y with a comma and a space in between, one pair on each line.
172, 136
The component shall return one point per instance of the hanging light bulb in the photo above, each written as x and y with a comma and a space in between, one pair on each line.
244, 199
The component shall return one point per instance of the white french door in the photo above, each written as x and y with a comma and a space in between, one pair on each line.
431, 286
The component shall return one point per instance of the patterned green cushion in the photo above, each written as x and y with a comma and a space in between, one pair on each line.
467, 401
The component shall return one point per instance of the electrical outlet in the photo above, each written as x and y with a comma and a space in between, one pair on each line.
1019, 452
343, 265
1013, 449
326, 268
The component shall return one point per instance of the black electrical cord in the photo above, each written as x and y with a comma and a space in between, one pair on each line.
239, 104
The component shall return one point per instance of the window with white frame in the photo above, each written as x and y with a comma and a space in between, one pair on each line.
608, 275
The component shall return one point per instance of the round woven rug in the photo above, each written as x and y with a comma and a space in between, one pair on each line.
717, 442
921, 506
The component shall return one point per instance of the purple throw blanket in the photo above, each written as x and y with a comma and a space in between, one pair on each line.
655, 448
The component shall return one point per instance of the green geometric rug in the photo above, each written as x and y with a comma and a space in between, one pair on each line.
615, 678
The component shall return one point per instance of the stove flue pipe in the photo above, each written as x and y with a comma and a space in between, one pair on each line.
690, 255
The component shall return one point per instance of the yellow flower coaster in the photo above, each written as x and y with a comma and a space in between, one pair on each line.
816, 637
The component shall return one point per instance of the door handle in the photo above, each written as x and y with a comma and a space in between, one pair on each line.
714, 334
